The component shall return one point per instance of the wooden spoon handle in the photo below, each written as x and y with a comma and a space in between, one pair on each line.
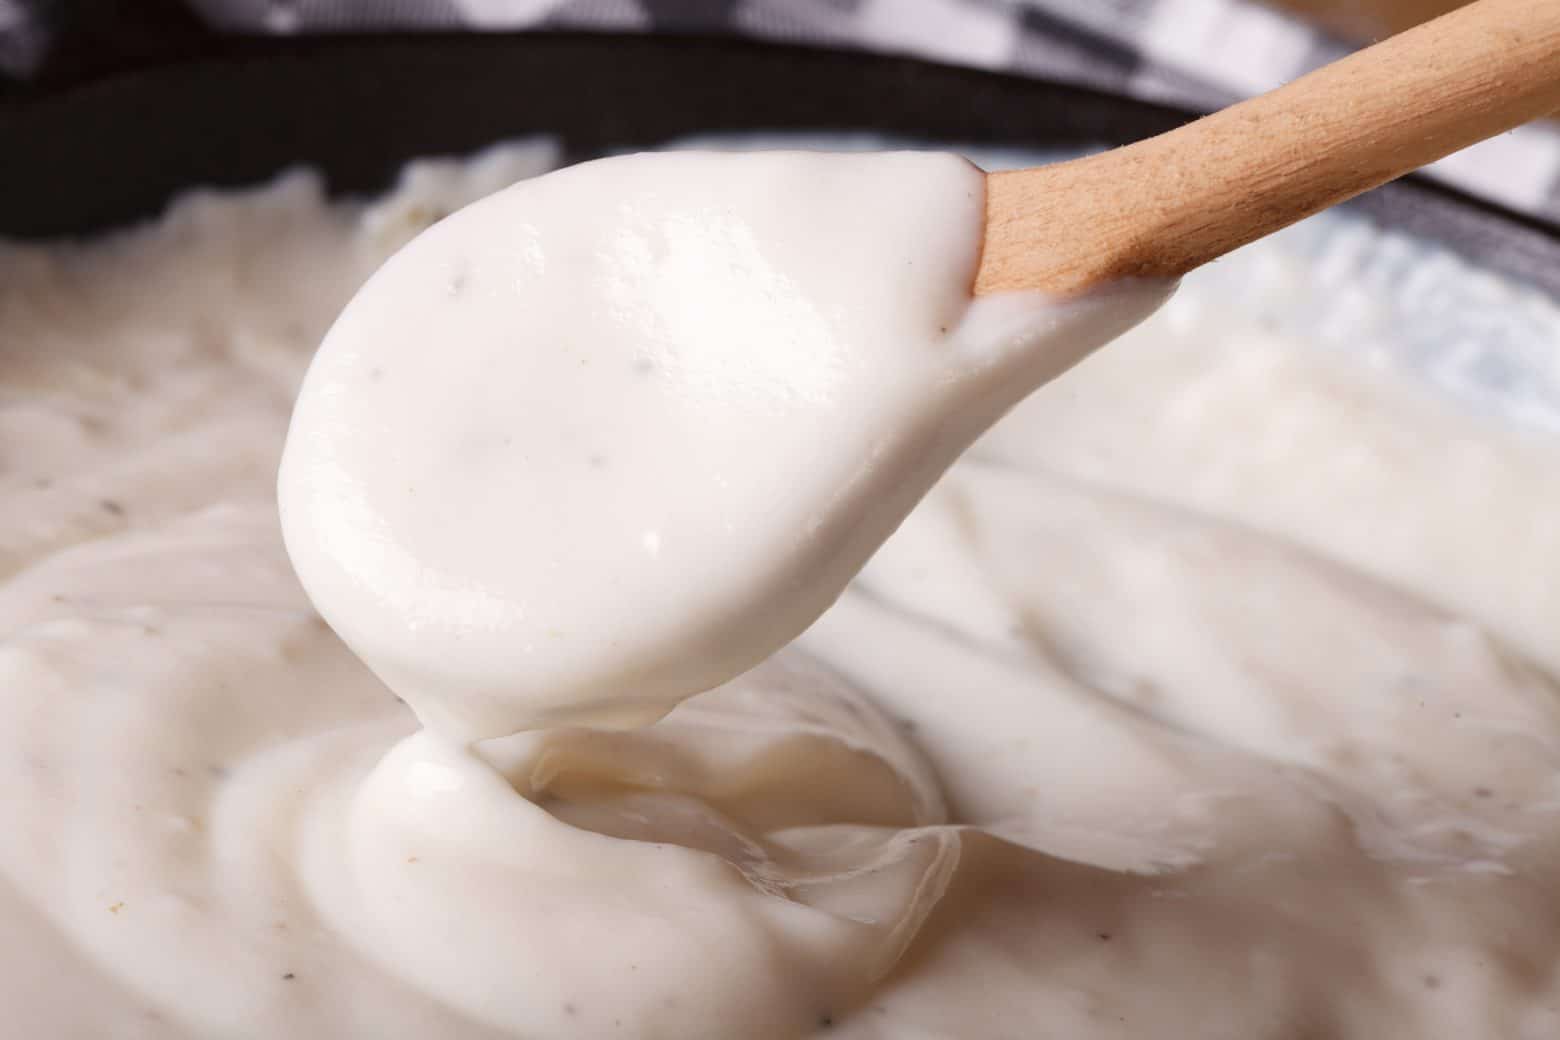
1161, 207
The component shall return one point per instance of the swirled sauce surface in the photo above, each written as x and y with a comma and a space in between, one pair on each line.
1211, 694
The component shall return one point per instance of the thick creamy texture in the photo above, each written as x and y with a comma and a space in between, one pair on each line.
1245, 650
613, 436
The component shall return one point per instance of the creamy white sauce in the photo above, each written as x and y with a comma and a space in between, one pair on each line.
613, 436
1244, 650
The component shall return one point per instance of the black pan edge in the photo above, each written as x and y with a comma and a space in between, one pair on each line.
108, 153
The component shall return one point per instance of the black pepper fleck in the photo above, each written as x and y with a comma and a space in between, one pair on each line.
825, 1021
1483, 792
1104, 936
1432, 982
288, 977
570, 1009
110, 506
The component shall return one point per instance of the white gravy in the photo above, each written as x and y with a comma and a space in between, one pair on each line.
612, 437
1211, 694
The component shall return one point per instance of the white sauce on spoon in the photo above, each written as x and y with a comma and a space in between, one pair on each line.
613, 436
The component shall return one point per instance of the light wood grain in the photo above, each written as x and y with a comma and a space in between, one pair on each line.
1164, 206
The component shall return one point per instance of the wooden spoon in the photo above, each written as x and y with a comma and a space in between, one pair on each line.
1161, 207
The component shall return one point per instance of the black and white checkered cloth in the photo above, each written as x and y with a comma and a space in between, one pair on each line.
1202, 53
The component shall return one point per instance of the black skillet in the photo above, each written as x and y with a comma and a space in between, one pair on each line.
105, 153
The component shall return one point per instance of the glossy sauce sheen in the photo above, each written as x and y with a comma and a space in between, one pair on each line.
1189, 703
611, 437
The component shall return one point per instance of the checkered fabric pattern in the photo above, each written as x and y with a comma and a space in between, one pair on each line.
1201, 53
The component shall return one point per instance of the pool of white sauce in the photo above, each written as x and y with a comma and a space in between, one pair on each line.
1212, 694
